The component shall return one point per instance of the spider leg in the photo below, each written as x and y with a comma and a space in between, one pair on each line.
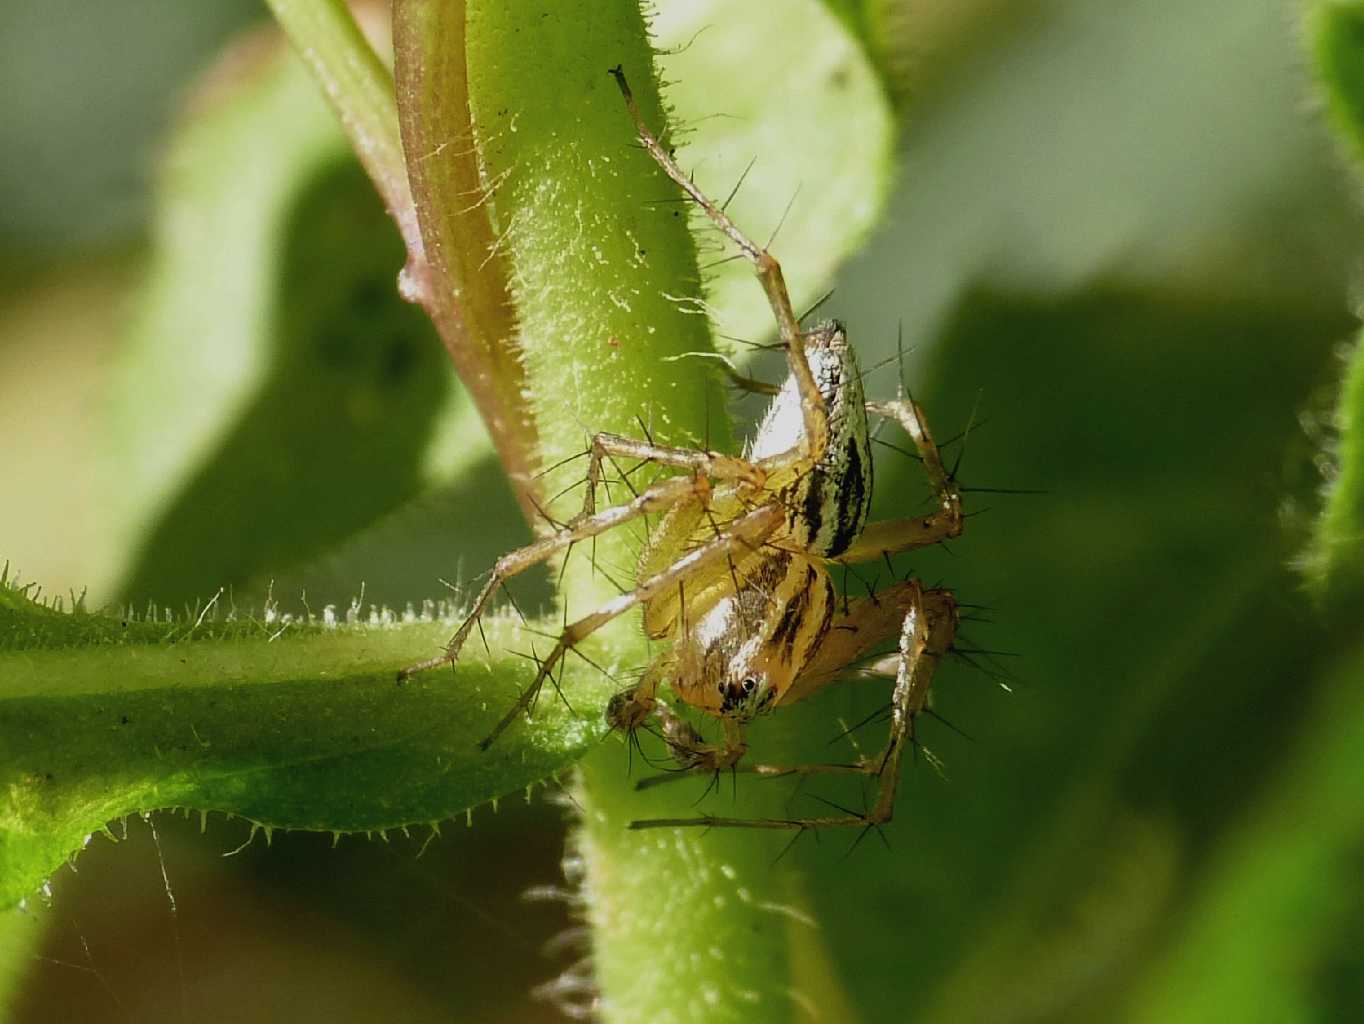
927, 626
751, 385
815, 440
740, 380
765, 771
629, 709
865, 625
892, 535
712, 465
694, 755
662, 495
744, 533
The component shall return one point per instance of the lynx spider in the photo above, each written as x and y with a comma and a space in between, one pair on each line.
735, 573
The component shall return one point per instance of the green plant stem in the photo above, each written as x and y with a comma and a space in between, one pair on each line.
463, 284
688, 924
1334, 33
1335, 564
360, 90
462, 291
602, 267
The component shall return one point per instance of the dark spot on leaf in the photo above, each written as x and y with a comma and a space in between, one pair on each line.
400, 355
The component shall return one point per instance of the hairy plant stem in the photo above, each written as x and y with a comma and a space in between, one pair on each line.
604, 281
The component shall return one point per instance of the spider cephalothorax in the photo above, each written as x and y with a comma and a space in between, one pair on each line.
735, 575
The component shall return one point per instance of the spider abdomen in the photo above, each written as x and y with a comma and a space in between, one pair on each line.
827, 504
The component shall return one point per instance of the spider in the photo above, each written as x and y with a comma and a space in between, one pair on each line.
735, 574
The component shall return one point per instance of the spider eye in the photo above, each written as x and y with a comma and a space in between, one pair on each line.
738, 696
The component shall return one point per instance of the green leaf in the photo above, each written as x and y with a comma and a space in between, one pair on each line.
274, 398
803, 105
1273, 933
292, 722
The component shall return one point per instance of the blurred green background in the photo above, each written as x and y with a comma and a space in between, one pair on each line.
1120, 231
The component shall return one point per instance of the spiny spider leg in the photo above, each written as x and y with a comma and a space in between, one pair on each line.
750, 385
923, 640
714, 465
811, 448
766, 771
862, 626
694, 755
890, 536
589, 522
662, 495
745, 533
629, 709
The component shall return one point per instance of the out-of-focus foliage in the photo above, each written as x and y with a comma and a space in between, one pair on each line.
88, 91
1335, 37
1336, 562
299, 371
1129, 247
1148, 599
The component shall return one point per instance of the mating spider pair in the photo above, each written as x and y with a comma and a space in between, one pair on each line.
735, 574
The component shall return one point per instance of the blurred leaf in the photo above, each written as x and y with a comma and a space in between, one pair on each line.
1273, 930
908, 43
1146, 596
802, 103
1335, 562
1086, 143
278, 396
58, 338
925, 49
855, 16
85, 106
1335, 38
